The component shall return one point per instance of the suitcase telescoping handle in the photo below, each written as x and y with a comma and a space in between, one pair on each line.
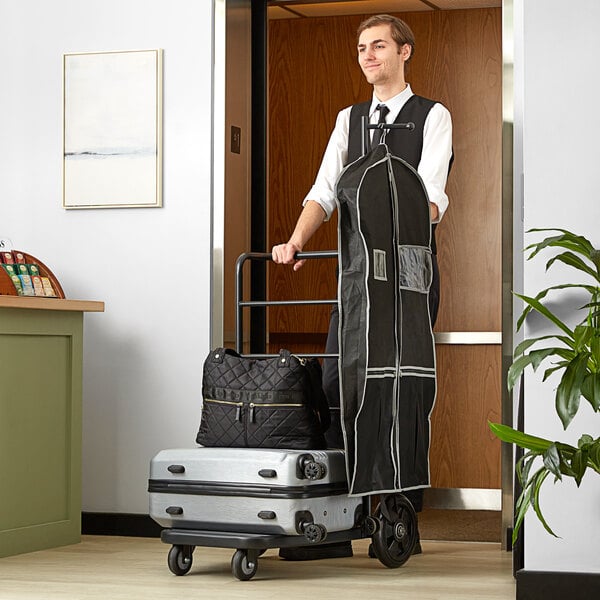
240, 304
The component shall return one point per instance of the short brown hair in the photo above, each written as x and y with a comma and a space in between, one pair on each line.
401, 32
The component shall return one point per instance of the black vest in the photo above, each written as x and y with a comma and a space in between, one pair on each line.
403, 143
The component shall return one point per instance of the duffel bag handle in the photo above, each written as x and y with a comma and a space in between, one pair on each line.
218, 354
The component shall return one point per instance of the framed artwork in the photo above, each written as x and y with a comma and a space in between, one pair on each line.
112, 129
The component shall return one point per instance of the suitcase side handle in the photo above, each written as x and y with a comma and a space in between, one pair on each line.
268, 473
176, 469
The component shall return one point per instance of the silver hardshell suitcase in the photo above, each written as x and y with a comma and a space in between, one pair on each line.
290, 492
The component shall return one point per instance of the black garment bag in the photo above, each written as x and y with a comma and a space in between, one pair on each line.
387, 358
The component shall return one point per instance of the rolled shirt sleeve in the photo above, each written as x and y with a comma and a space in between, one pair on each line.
334, 159
435, 156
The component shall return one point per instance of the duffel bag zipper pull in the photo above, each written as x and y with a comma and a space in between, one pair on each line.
301, 359
252, 405
238, 413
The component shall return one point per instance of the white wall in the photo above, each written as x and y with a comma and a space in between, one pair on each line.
561, 127
143, 356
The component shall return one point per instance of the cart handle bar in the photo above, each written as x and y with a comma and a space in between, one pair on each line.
365, 126
239, 287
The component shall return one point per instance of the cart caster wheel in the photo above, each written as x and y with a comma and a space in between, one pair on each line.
371, 525
241, 567
315, 533
314, 470
180, 559
395, 540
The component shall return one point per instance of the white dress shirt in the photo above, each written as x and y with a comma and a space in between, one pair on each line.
435, 157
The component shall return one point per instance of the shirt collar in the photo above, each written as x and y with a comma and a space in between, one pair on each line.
394, 104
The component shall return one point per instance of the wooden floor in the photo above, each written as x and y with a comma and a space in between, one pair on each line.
123, 568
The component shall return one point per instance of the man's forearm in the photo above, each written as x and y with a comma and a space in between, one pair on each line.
310, 219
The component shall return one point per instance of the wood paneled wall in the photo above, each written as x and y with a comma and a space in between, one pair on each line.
313, 73
464, 453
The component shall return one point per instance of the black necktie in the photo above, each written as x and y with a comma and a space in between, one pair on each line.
383, 111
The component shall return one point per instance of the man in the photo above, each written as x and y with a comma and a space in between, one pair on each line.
385, 46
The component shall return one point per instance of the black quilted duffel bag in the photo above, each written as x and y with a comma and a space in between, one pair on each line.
262, 403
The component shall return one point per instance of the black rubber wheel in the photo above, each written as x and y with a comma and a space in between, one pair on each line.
314, 470
315, 533
371, 525
396, 537
180, 559
241, 567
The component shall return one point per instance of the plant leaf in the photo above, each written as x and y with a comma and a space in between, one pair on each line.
539, 479
594, 455
579, 465
568, 392
569, 240
595, 348
539, 307
526, 344
549, 372
590, 388
521, 509
589, 288
524, 466
582, 335
524, 440
568, 258
552, 460
534, 358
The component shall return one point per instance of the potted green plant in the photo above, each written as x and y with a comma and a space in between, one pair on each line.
574, 352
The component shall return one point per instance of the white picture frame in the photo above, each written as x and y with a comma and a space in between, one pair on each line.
112, 129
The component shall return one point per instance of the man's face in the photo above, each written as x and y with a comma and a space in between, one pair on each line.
379, 57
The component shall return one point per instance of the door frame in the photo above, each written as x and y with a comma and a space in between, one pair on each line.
258, 211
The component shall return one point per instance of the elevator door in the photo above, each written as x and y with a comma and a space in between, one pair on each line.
313, 74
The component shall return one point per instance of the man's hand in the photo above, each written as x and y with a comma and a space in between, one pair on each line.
310, 219
285, 254
434, 212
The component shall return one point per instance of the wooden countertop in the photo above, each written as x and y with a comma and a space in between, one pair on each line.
39, 303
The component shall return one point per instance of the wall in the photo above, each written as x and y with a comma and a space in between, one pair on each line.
143, 356
560, 127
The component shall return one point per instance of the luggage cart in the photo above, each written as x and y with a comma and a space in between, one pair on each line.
392, 527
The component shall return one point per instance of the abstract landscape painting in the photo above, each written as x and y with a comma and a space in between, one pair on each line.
112, 129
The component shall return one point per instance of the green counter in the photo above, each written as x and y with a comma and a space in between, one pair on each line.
40, 422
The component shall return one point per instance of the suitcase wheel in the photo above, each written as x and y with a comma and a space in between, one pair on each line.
395, 539
243, 566
308, 468
314, 470
180, 559
314, 533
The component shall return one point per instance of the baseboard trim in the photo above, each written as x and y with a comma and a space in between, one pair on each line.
556, 585
124, 524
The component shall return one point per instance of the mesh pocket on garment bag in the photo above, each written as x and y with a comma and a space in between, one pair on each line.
415, 268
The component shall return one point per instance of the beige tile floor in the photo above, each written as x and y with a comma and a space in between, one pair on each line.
125, 568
